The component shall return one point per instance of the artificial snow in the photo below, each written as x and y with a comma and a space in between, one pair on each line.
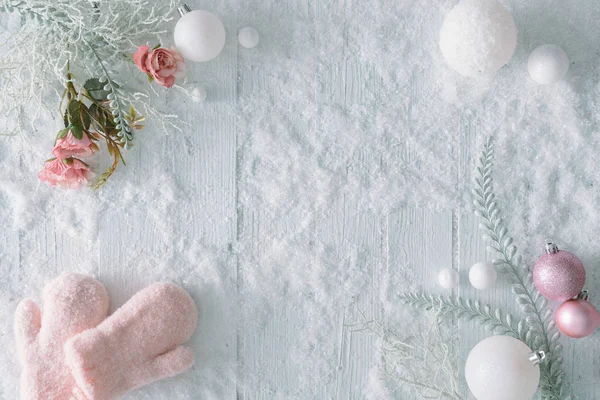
346, 112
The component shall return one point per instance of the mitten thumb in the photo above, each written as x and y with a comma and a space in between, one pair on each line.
27, 325
171, 363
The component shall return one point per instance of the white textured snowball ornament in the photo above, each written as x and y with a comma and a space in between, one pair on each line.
448, 278
482, 275
199, 35
248, 37
548, 64
478, 37
503, 368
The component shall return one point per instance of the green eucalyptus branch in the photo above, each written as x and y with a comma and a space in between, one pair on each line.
121, 117
533, 305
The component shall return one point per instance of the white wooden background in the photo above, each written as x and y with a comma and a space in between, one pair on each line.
205, 161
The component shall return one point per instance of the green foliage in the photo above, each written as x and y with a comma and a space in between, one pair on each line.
93, 37
116, 102
95, 89
533, 305
101, 181
537, 329
77, 115
62, 133
492, 320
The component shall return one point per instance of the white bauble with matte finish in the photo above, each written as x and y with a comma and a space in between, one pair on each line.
478, 37
499, 368
548, 64
482, 275
199, 35
248, 37
198, 94
448, 278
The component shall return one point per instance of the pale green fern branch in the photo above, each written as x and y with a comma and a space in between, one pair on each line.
492, 320
534, 306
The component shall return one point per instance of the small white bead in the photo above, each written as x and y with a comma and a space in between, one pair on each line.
548, 64
448, 278
482, 275
198, 94
248, 37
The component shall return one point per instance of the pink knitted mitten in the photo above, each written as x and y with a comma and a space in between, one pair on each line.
140, 343
72, 304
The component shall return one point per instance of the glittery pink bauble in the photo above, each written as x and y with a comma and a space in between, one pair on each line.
559, 276
577, 318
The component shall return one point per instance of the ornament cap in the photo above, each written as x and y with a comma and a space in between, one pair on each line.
583, 295
551, 248
183, 9
537, 357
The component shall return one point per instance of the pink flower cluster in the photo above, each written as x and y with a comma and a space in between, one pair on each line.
161, 64
65, 170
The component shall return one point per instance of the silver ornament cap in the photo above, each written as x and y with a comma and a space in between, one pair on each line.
537, 357
551, 248
183, 9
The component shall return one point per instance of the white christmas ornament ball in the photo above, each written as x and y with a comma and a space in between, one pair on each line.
499, 368
199, 35
482, 275
548, 64
248, 37
448, 278
198, 94
478, 37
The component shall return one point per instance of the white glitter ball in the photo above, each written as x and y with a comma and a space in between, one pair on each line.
248, 37
478, 37
548, 64
482, 275
448, 278
198, 94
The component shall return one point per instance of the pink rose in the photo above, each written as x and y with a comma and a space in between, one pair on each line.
162, 64
70, 174
70, 146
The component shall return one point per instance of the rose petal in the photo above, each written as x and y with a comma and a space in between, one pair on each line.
140, 56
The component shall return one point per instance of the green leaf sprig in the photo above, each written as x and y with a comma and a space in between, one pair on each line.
537, 327
91, 112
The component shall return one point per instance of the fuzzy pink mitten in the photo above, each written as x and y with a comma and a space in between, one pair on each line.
72, 304
140, 343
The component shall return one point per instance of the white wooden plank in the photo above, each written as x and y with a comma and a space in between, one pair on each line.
269, 370
358, 234
420, 243
264, 360
177, 215
11, 288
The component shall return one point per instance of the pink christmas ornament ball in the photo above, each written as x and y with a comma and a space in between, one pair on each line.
558, 274
577, 318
